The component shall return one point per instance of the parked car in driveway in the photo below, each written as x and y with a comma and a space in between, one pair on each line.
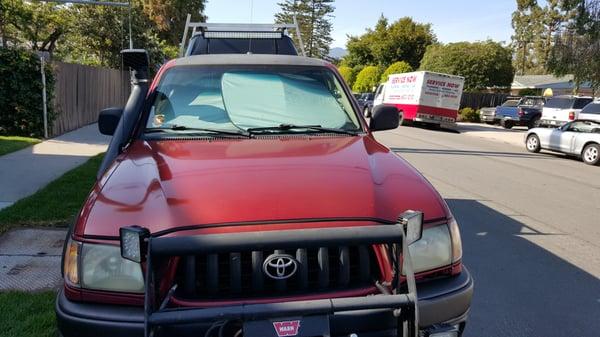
580, 138
560, 110
488, 115
591, 111
527, 112
246, 195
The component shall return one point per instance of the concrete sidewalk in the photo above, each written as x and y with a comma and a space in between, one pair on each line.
24, 172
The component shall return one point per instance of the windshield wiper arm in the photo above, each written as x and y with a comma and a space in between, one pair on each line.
186, 128
285, 127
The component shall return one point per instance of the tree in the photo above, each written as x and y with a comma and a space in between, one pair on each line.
367, 79
483, 64
347, 74
169, 16
387, 43
576, 47
527, 25
396, 68
313, 17
35, 24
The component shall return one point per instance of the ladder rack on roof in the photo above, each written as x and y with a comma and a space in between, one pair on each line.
216, 28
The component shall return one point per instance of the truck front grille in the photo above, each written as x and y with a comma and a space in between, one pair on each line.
240, 275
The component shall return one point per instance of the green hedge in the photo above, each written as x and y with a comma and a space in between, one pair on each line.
468, 115
21, 108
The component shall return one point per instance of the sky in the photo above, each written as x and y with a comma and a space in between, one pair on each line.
456, 20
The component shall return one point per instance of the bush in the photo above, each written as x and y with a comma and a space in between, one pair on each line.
468, 115
21, 108
367, 79
396, 68
347, 74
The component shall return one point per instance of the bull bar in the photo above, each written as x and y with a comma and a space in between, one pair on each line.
403, 300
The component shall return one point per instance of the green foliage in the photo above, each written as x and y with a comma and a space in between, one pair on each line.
39, 25
27, 314
347, 74
535, 28
387, 43
483, 64
10, 144
21, 108
396, 68
56, 204
367, 79
576, 47
468, 115
314, 19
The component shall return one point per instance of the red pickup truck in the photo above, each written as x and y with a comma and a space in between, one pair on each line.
245, 195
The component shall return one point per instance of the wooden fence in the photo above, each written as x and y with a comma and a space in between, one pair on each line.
478, 100
82, 91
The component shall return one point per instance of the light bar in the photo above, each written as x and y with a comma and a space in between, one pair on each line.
413, 225
132, 242
243, 35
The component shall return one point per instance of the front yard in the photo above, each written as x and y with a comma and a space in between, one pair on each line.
56, 204
10, 144
27, 314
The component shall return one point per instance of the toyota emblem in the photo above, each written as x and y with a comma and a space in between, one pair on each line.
280, 266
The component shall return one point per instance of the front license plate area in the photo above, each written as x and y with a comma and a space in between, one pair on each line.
308, 326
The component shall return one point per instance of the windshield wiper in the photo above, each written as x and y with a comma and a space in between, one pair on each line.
186, 128
285, 127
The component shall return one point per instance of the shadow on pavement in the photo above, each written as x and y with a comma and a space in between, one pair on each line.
522, 289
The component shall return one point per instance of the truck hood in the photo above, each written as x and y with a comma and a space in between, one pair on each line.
166, 184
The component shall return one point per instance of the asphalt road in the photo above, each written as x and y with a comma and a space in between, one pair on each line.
530, 225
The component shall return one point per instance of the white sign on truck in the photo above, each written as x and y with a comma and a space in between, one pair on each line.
423, 96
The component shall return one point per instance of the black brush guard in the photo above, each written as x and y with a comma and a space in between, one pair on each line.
403, 301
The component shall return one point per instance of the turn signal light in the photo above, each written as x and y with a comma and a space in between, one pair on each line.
71, 267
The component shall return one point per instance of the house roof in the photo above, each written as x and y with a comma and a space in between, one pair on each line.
545, 81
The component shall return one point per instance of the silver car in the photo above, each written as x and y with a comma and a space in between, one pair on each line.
580, 138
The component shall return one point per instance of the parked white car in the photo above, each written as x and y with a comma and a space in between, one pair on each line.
560, 110
591, 111
580, 138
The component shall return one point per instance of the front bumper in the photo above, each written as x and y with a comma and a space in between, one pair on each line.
442, 301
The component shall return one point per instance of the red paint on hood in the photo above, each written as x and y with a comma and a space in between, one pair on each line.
171, 183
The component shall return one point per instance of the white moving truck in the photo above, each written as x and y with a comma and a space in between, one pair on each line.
423, 96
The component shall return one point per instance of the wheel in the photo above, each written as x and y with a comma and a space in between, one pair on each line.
534, 123
591, 154
533, 143
367, 112
489, 123
507, 124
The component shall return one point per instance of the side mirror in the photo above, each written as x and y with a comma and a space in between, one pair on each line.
412, 221
385, 117
108, 120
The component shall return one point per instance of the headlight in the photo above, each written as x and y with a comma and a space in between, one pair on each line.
434, 250
101, 267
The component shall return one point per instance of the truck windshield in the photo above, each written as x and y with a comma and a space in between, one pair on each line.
511, 103
240, 98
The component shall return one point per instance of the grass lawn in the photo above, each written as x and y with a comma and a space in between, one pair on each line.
56, 204
10, 144
27, 314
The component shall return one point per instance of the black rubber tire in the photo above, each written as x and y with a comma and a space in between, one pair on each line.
534, 123
489, 123
507, 124
535, 143
591, 154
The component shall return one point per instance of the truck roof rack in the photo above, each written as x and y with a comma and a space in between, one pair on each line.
237, 30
